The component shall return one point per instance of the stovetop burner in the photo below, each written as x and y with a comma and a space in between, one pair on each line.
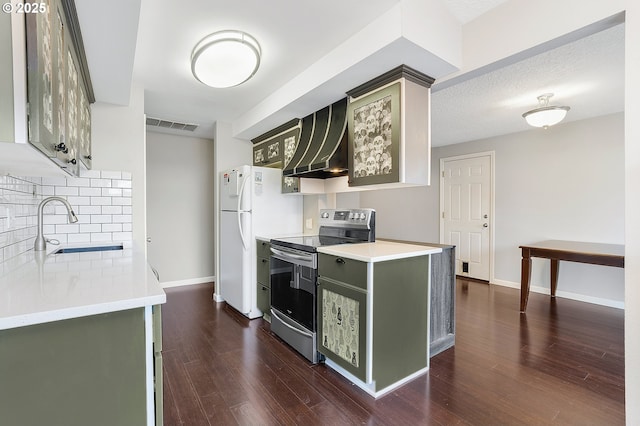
337, 226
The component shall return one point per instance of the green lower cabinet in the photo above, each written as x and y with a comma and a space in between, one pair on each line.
264, 299
263, 287
392, 311
81, 371
158, 382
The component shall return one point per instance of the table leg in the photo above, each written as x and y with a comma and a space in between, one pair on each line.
525, 279
555, 263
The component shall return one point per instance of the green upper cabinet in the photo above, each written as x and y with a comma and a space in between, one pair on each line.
276, 148
13, 86
269, 149
59, 87
389, 129
47, 91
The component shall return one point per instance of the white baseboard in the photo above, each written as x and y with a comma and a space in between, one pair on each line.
190, 281
565, 294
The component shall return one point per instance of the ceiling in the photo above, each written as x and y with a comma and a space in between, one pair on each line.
586, 75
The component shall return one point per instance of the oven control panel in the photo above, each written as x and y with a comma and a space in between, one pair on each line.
360, 218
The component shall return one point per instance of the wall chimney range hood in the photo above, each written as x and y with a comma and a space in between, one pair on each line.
322, 149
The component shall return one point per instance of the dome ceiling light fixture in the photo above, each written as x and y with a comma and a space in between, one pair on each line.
545, 115
225, 58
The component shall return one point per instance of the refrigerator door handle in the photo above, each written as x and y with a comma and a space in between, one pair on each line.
242, 235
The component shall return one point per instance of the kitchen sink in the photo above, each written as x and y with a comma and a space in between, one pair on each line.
90, 248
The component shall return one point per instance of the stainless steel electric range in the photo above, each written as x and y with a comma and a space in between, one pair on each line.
294, 272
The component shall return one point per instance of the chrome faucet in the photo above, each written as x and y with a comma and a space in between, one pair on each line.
41, 243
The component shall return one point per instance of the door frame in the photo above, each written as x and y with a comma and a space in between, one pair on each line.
492, 199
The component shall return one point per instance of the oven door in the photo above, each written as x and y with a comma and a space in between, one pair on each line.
293, 285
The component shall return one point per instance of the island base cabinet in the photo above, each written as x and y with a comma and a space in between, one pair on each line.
373, 319
80, 371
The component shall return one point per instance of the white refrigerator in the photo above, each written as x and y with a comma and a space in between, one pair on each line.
251, 204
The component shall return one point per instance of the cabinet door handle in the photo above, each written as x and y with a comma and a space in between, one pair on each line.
340, 260
264, 260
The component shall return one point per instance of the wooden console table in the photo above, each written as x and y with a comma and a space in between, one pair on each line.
572, 251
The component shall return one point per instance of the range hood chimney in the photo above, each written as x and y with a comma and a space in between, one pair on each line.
322, 149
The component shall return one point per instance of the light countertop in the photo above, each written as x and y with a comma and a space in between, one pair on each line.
378, 251
44, 287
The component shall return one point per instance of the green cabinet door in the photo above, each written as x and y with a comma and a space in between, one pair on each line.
268, 153
263, 298
374, 137
58, 86
342, 325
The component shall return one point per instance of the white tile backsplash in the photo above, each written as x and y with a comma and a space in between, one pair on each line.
101, 200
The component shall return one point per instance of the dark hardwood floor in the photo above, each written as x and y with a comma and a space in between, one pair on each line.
561, 363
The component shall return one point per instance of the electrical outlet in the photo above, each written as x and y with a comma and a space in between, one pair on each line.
308, 224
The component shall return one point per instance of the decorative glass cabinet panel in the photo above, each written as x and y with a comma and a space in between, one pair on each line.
290, 185
268, 153
59, 86
85, 129
42, 38
72, 119
374, 137
342, 323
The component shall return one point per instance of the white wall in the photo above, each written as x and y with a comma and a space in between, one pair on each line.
180, 208
632, 212
118, 143
566, 182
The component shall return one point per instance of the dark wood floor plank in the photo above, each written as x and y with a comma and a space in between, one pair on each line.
186, 399
209, 395
561, 363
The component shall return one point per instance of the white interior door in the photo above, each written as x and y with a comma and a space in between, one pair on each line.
466, 212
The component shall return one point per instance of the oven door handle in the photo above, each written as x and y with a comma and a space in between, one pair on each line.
286, 256
284, 322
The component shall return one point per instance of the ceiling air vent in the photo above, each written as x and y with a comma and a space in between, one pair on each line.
157, 122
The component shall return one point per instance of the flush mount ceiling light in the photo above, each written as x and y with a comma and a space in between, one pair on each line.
225, 58
545, 115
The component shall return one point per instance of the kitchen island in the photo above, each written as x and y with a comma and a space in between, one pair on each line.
373, 312
80, 339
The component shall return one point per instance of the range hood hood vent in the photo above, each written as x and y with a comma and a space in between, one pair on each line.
322, 149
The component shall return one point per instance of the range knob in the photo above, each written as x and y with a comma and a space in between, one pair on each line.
325, 215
